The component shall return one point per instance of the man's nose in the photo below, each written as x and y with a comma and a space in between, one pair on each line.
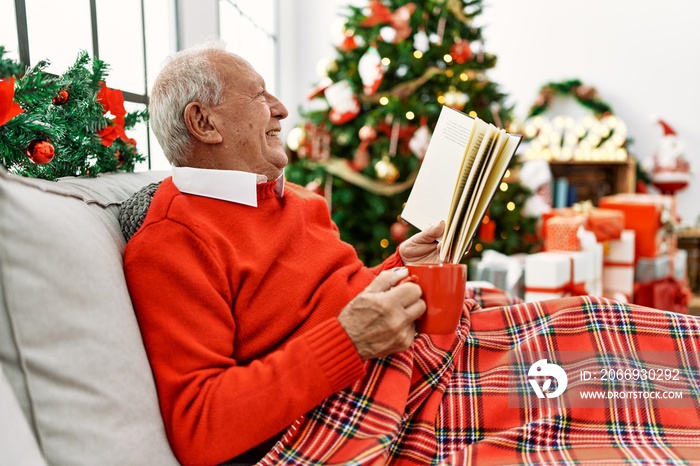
277, 107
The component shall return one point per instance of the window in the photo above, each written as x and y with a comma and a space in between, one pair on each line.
131, 36
250, 29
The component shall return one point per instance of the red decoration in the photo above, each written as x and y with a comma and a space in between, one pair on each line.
61, 98
667, 294
113, 102
371, 70
669, 167
399, 19
344, 103
487, 230
40, 151
399, 231
461, 51
316, 143
8, 107
348, 44
360, 160
320, 88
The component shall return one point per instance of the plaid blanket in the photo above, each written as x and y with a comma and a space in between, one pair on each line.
450, 399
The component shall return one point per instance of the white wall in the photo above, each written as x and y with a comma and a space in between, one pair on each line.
642, 56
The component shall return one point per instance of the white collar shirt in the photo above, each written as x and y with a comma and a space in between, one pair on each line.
226, 185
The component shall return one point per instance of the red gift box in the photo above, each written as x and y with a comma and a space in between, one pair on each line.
667, 294
606, 224
651, 216
561, 233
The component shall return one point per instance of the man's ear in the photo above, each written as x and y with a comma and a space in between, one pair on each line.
200, 124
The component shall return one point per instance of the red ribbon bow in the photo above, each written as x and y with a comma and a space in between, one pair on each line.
399, 19
113, 102
8, 107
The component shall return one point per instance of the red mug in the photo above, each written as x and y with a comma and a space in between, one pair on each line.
443, 287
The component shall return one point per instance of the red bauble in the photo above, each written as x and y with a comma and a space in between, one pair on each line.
461, 51
399, 231
61, 98
367, 133
40, 151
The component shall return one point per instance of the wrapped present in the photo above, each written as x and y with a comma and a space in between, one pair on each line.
561, 233
618, 266
653, 268
595, 285
590, 244
651, 216
667, 294
680, 265
504, 272
550, 275
606, 224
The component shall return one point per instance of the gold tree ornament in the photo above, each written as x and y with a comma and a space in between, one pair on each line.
386, 170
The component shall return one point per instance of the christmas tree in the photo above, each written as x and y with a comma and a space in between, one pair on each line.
67, 125
369, 120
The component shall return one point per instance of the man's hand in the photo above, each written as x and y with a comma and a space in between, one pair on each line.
379, 321
423, 246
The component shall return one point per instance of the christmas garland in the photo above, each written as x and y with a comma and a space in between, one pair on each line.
68, 125
587, 96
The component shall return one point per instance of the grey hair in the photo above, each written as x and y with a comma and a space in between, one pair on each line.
187, 76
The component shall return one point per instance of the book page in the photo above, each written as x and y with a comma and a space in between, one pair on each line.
474, 154
492, 181
488, 132
476, 135
431, 195
470, 222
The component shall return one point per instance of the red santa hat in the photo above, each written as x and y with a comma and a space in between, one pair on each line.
667, 129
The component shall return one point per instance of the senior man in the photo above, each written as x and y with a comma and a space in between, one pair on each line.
252, 309
264, 329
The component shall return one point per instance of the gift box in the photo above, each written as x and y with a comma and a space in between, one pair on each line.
595, 285
680, 265
618, 266
504, 272
550, 275
667, 294
651, 216
606, 224
561, 233
649, 269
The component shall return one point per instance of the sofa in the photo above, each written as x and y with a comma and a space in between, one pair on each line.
75, 384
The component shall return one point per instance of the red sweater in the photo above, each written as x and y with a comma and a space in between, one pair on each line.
238, 310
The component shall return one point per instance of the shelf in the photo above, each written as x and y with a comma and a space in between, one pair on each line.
594, 180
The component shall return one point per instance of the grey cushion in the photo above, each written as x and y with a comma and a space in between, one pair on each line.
69, 340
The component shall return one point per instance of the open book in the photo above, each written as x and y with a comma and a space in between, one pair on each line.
464, 164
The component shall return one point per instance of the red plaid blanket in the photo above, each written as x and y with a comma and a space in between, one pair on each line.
451, 400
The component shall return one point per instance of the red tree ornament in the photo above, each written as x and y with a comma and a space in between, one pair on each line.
61, 98
40, 151
461, 51
399, 231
